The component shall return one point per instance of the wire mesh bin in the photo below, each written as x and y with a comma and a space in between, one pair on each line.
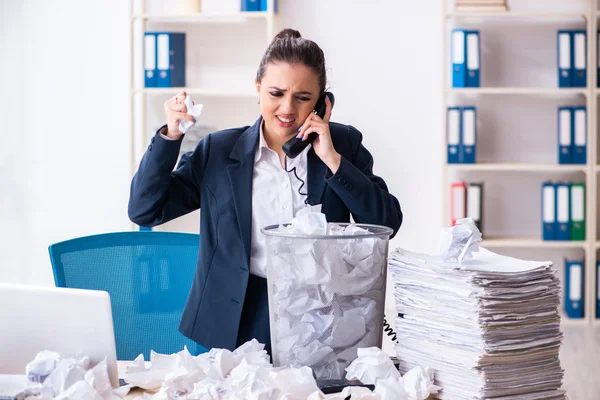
326, 295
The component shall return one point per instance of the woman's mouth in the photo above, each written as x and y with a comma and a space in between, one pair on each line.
285, 122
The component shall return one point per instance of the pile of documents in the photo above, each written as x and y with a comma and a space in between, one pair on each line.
480, 5
488, 325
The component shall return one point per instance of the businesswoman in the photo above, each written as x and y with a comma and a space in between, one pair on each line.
242, 181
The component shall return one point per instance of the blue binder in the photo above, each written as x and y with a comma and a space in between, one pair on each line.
574, 288
170, 59
263, 5
459, 58
548, 210
579, 139
250, 5
562, 226
579, 49
565, 135
473, 58
565, 58
468, 135
453, 129
597, 289
149, 59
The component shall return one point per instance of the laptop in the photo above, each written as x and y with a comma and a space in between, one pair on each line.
71, 322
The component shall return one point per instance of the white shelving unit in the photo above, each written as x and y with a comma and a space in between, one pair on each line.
585, 17
146, 103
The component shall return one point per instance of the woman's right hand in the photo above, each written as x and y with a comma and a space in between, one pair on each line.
175, 111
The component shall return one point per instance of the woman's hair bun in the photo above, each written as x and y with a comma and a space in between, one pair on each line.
288, 33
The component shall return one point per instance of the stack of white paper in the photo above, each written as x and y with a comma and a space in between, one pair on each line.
488, 327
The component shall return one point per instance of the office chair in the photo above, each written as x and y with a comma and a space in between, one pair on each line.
148, 276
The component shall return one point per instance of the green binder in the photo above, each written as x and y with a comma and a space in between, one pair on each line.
577, 211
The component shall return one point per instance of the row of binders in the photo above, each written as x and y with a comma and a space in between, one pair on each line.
257, 5
466, 58
164, 59
461, 134
563, 211
466, 201
572, 135
572, 58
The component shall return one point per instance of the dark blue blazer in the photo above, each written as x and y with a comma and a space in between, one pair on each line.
217, 178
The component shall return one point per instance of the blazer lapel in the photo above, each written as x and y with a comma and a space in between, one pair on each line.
315, 175
240, 178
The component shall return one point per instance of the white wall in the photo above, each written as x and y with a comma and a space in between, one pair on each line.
64, 169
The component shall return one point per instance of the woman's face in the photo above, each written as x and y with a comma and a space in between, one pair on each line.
287, 94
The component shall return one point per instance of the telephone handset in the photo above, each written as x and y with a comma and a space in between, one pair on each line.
294, 146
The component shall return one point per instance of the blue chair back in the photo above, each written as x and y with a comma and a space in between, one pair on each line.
148, 276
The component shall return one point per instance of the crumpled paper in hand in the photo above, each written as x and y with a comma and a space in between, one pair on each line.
459, 242
192, 109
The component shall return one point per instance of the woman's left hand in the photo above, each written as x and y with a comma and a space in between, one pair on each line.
322, 144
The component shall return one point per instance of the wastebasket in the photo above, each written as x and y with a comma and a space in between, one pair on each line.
326, 295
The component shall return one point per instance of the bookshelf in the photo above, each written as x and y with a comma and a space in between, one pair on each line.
223, 50
529, 91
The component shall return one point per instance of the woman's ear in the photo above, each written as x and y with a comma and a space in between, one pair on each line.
257, 85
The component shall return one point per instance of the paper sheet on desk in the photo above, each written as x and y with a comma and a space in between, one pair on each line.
253, 377
48, 376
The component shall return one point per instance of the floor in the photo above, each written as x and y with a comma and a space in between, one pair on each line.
580, 358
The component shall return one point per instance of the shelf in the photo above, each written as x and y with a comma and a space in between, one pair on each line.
518, 167
198, 91
566, 321
531, 242
519, 90
205, 18
542, 16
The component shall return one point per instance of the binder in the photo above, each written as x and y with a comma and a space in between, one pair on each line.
459, 56
458, 197
453, 128
170, 50
577, 211
149, 60
250, 5
579, 140
264, 5
574, 277
475, 204
563, 221
579, 58
598, 60
597, 289
565, 57
565, 123
473, 58
548, 210
469, 135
